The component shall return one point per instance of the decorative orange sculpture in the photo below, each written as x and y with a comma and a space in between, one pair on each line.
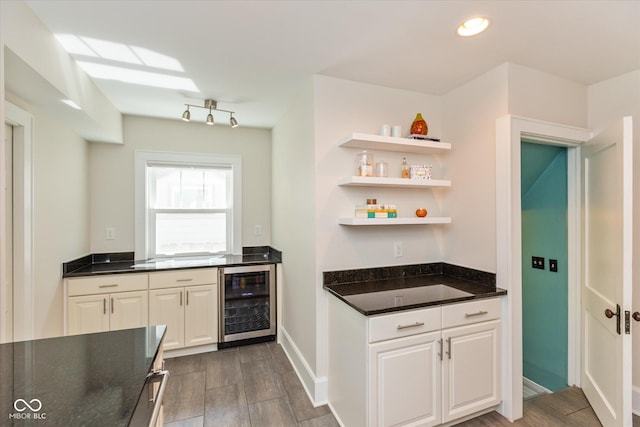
419, 126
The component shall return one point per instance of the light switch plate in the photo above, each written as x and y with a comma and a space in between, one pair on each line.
537, 262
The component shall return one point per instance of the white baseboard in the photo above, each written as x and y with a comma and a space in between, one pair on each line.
188, 351
635, 405
316, 388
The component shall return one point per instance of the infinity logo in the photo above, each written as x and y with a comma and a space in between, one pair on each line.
37, 405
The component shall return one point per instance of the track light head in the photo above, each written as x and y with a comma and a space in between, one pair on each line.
233, 122
186, 116
210, 118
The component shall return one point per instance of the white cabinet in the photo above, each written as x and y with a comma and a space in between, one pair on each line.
106, 303
405, 380
190, 312
87, 314
471, 373
420, 367
201, 315
388, 143
166, 308
128, 310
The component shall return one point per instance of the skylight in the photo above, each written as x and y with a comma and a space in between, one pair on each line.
113, 51
108, 60
127, 75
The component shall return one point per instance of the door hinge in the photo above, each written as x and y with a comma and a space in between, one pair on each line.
627, 322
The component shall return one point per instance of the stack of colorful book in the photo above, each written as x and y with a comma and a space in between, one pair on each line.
376, 211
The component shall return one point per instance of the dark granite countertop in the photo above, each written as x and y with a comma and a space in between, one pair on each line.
92, 379
385, 290
124, 262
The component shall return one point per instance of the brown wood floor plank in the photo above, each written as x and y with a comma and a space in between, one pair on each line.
272, 413
226, 406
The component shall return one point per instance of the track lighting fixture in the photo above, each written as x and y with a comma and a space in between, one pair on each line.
211, 105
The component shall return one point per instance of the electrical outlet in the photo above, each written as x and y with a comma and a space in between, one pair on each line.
110, 233
257, 230
537, 262
553, 265
397, 249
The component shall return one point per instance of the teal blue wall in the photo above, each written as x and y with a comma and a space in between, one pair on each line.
544, 293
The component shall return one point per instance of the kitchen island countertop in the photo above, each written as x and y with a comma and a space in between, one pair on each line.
92, 379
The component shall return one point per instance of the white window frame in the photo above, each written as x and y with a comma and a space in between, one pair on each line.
146, 158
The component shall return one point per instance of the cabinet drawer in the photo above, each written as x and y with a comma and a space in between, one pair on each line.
107, 284
470, 312
187, 277
404, 323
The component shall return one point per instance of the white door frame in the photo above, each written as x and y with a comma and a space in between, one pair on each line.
510, 130
23, 307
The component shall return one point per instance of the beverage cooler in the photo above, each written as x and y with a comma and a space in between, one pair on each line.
248, 303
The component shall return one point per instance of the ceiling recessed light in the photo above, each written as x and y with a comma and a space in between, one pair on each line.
473, 26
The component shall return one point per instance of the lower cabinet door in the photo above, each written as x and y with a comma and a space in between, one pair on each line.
129, 310
201, 315
166, 307
405, 381
471, 369
88, 314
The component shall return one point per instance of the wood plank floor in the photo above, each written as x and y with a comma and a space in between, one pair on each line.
255, 385
245, 386
568, 407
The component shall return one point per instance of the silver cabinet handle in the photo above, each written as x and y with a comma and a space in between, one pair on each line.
113, 285
479, 313
104, 306
111, 305
187, 297
157, 400
441, 342
413, 325
184, 280
180, 298
450, 352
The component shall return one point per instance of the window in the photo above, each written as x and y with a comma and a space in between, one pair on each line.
187, 205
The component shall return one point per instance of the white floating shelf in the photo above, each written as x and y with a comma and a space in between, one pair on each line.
390, 143
370, 181
394, 221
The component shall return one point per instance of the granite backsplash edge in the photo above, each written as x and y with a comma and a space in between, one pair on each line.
398, 271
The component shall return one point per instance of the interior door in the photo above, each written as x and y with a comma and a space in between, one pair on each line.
607, 256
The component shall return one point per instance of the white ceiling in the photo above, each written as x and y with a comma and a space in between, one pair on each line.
251, 56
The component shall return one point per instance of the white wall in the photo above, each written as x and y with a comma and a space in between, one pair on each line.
294, 231
542, 96
608, 101
61, 214
343, 107
112, 174
470, 112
